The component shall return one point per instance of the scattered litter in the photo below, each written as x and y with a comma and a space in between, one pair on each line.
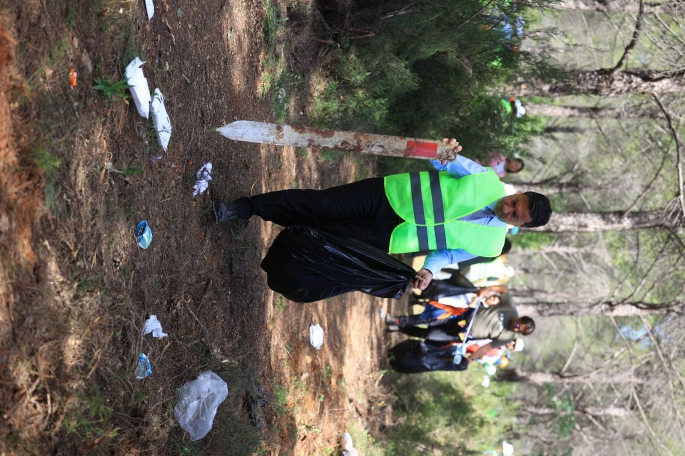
198, 402
143, 235
73, 76
155, 158
152, 325
161, 119
204, 175
316, 336
144, 367
139, 88
150, 9
486, 382
507, 449
281, 95
346, 444
490, 369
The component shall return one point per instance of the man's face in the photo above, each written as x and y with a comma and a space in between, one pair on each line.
513, 209
516, 326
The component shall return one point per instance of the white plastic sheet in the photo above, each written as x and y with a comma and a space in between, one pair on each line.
152, 325
139, 90
198, 402
150, 9
204, 175
316, 336
161, 119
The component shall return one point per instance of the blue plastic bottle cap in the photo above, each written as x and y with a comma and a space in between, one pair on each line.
143, 235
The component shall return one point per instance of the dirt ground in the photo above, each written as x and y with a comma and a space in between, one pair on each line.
76, 289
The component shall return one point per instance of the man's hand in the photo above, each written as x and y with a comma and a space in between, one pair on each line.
423, 279
483, 292
452, 142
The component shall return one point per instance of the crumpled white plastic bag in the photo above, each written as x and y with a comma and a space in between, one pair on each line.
139, 90
204, 175
198, 402
152, 325
316, 336
161, 119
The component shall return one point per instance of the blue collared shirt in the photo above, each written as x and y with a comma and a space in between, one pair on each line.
438, 259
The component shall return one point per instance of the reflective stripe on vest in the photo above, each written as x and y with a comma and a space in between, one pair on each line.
420, 216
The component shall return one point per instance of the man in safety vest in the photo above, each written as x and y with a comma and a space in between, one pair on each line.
457, 214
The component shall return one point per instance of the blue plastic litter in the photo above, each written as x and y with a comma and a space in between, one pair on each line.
144, 367
143, 235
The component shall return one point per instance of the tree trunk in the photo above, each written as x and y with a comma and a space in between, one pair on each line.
612, 6
545, 110
551, 129
603, 309
608, 83
539, 378
554, 188
594, 411
591, 222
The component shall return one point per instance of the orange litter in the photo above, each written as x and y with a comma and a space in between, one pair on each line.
72, 78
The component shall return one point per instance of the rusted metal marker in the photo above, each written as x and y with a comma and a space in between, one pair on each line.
348, 141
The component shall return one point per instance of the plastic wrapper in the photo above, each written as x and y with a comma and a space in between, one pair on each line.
316, 336
152, 325
143, 368
306, 265
161, 119
150, 7
414, 356
140, 91
198, 403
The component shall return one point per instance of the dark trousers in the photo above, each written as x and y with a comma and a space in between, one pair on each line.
359, 210
445, 330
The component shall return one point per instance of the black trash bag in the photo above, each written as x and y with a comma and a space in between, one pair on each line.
446, 288
306, 265
413, 356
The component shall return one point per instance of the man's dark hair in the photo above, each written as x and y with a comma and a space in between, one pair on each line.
530, 325
540, 209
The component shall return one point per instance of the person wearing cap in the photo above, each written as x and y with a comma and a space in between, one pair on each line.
499, 323
457, 214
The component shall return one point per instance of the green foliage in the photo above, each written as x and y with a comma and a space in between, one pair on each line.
45, 161
112, 90
566, 420
450, 412
88, 414
434, 73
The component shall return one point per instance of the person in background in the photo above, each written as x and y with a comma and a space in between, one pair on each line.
503, 165
500, 323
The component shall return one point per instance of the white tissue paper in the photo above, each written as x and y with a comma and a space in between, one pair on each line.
161, 119
139, 90
316, 336
150, 9
203, 178
152, 325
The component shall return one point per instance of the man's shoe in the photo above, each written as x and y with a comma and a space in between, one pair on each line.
225, 211
390, 320
392, 328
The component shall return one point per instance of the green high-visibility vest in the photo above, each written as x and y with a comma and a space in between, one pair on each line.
430, 204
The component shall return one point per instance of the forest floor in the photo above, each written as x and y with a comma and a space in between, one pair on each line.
76, 289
